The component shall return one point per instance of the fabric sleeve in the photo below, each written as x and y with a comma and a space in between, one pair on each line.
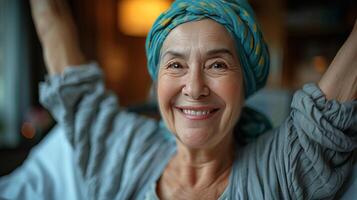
107, 141
80, 104
318, 139
308, 157
49, 172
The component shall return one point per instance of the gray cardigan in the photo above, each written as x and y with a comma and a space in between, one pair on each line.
120, 155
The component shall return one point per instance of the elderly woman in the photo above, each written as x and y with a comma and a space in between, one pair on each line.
206, 57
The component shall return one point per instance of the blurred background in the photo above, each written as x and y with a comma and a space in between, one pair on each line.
303, 37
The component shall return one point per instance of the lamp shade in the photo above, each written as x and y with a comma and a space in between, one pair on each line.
135, 17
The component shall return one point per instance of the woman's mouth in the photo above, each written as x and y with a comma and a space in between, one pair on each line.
197, 113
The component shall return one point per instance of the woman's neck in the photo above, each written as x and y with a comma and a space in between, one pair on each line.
198, 171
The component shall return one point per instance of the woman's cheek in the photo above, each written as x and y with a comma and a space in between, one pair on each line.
229, 88
231, 92
167, 91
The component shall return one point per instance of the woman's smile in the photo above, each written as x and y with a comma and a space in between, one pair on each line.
197, 112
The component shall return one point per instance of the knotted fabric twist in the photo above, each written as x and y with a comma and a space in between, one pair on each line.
236, 16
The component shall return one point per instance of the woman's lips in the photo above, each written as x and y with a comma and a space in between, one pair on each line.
197, 113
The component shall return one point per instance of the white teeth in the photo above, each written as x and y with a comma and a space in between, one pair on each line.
196, 113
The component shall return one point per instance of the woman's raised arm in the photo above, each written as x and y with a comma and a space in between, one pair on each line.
57, 33
340, 80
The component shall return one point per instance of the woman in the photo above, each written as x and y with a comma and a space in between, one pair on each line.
206, 57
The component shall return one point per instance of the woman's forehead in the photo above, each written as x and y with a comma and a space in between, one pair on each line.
204, 34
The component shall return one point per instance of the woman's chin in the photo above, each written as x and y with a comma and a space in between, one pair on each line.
194, 139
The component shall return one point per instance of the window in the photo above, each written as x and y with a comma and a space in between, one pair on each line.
18, 86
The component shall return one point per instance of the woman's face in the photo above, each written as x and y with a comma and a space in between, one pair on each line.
200, 84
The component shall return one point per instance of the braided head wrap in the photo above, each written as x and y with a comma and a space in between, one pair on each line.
236, 16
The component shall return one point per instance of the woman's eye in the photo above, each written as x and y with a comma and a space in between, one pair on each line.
218, 66
174, 65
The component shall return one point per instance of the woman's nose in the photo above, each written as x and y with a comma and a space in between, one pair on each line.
195, 86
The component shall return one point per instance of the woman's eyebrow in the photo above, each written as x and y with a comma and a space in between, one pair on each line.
210, 52
219, 51
173, 53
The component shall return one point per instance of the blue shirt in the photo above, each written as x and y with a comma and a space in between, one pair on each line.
105, 152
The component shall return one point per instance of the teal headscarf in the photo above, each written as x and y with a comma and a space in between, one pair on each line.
238, 18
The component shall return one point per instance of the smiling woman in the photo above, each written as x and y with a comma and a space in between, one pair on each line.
206, 57
200, 85
200, 95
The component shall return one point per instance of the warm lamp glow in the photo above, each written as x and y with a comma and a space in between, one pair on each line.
137, 16
320, 64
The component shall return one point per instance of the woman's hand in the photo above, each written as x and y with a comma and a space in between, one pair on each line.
340, 80
57, 33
